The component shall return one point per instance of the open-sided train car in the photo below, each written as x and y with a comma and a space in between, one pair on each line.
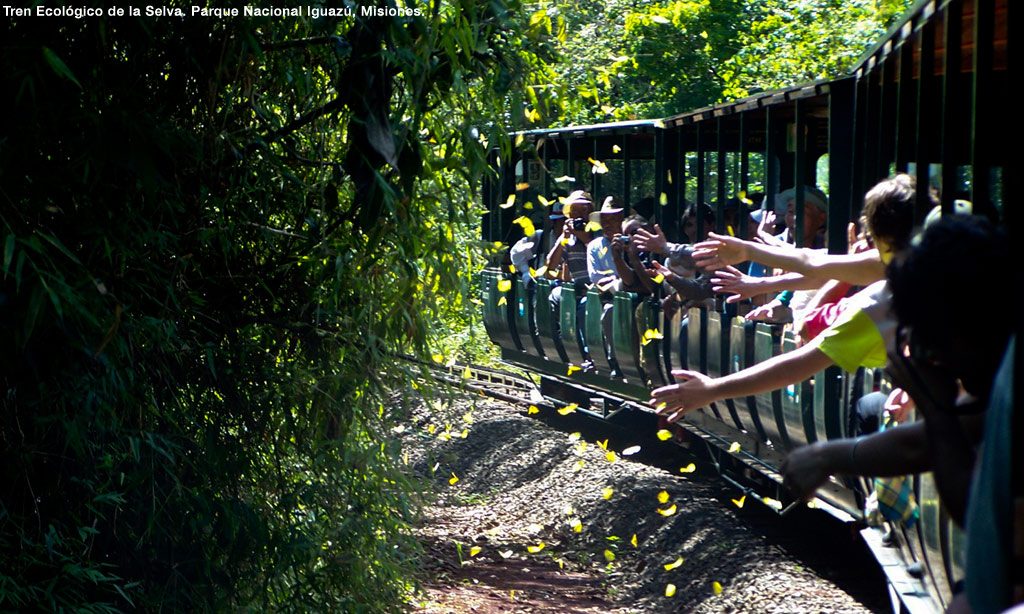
925, 100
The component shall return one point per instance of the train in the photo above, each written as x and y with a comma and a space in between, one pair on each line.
925, 100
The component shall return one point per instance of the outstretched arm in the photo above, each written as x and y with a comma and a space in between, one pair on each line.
696, 390
898, 451
729, 280
688, 288
654, 242
858, 269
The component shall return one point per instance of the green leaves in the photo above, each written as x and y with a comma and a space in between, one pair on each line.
792, 41
631, 60
59, 66
209, 257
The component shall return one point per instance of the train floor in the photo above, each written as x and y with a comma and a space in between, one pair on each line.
531, 513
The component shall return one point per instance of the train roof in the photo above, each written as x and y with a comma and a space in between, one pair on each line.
924, 12
754, 101
803, 90
626, 127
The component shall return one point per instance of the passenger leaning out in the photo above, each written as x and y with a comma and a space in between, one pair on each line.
680, 271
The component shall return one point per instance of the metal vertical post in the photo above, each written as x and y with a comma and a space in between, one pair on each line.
627, 170
627, 198
951, 112
887, 120
981, 106
721, 170
799, 174
905, 97
660, 181
844, 203
771, 163
744, 174
925, 127
701, 175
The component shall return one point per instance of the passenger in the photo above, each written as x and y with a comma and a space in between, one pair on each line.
688, 223
631, 262
568, 260
820, 312
526, 251
992, 513
730, 211
856, 339
569, 255
680, 270
526, 255
990, 508
933, 354
600, 256
831, 300
893, 224
750, 268
644, 207
815, 216
780, 309
604, 261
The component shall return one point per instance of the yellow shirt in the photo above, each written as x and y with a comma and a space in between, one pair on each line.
859, 337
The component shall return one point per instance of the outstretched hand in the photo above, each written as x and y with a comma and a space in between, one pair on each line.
774, 312
647, 241
692, 392
766, 229
719, 251
805, 470
660, 269
730, 280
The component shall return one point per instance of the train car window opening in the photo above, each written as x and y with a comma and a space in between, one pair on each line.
732, 173
710, 177
756, 173
642, 181
690, 189
821, 173
613, 182
964, 176
996, 190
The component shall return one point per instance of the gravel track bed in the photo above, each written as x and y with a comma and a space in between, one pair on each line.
521, 482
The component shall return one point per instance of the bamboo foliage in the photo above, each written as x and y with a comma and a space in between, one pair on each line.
215, 233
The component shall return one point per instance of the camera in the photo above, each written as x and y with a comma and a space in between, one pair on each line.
624, 239
577, 223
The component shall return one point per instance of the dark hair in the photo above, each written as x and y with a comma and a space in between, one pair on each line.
889, 210
645, 207
706, 211
957, 255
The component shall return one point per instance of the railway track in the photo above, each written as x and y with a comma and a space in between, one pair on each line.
816, 541
510, 387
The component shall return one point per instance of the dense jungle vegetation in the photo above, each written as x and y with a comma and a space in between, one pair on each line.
216, 232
